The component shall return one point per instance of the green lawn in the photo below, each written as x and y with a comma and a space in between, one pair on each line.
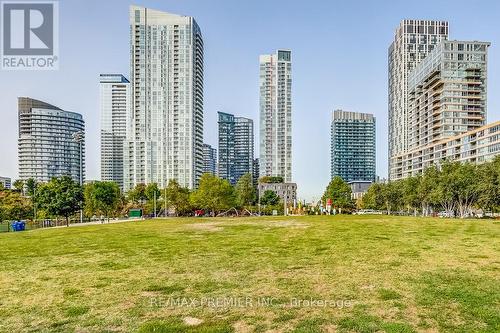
274, 274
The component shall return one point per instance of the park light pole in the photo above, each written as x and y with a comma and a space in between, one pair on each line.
154, 202
78, 137
258, 188
165, 200
34, 202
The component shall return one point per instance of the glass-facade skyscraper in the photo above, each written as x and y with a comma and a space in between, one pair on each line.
276, 115
114, 98
353, 149
47, 144
165, 123
236, 147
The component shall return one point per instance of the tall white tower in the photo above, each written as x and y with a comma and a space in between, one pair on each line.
115, 102
276, 115
165, 122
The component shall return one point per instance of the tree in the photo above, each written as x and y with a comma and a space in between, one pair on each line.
245, 191
428, 191
213, 194
102, 197
152, 191
270, 198
271, 179
19, 185
177, 198
138, 194
446, 187
488, 186
31, 186
60, 197
373, 198
392, 196
466, 188
13, 206
411, 199
339, 192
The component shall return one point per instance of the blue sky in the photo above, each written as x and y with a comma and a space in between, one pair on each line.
339, 54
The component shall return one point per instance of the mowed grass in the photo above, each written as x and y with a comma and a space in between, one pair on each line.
377, 273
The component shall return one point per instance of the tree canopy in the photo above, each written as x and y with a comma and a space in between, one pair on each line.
213, 194
102, 198
339, 192
61, 197
177, 198
270, 198
455, 189
245, 191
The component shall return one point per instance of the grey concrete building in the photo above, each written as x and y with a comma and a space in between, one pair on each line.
286, 191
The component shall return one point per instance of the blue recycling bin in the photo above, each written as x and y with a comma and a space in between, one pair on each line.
18, 226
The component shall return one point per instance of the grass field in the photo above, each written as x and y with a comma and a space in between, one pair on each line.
274, 274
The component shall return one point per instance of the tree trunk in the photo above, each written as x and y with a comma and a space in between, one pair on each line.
67, 221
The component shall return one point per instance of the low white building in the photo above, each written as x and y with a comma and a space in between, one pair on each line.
6, 182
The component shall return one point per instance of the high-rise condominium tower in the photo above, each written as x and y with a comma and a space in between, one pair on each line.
276, 115
236, 147
51, 142
209, 159
165, 124
447, 92
115, 96
353, 146
447, 110
413, 40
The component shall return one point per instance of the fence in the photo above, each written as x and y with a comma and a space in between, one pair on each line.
6, 226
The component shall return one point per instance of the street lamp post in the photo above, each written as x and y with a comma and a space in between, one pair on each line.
258, 188
154, 202
34, 203
78, 137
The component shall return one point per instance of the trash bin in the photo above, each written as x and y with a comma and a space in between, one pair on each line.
18, 226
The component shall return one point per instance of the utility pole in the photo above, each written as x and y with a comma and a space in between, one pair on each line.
79, 137
165, 200
34, 202
258, 188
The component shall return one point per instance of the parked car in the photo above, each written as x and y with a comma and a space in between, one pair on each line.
368, 212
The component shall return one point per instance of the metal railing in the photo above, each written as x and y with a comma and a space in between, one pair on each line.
6, 226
